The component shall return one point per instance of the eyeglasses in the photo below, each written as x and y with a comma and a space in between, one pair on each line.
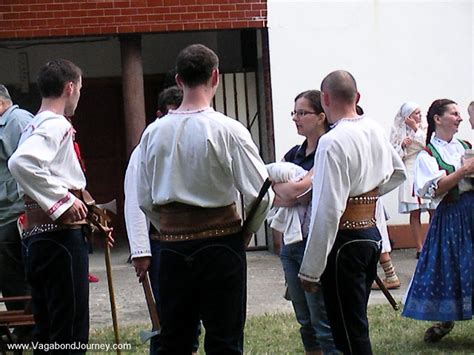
301, 113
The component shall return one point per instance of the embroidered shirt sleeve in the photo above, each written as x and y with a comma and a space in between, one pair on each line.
31, 167
331, 186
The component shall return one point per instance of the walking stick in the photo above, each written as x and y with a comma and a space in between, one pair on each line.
387, 294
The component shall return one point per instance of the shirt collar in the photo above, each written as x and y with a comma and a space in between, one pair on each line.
443, 143
3, 118
346, 119
199, 110
302, 149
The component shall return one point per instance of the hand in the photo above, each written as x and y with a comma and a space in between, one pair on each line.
311, 287
410, 122
141, 265
110, 239
468, 167
406, 142
77, 212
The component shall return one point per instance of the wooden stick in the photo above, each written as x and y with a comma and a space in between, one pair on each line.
387, 294
113, 308
150, 301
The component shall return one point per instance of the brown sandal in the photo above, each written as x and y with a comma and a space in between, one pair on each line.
437, 331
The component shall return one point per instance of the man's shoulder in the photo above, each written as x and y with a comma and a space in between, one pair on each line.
14, 113
49, 124
50, 118
223, 124
347, 131
18, 112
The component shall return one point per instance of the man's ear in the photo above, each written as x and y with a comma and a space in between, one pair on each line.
325, 98
215, 77
68, 88
357, 97
179, 81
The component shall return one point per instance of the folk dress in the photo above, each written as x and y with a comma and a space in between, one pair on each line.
442, 286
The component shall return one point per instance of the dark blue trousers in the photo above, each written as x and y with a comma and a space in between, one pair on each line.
202, 279
346, 282
57, 264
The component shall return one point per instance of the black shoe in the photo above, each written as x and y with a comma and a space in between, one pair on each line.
418, 254
437, 331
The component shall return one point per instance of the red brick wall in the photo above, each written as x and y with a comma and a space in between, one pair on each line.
53, 18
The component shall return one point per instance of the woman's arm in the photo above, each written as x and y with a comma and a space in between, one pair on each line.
290, 192
448, 182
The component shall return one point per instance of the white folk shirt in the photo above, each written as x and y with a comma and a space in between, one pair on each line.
354, 157
135, 220
45, 164
428, 173
200, 158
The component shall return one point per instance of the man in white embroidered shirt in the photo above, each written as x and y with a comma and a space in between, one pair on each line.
354, 164
193, 162
47, 169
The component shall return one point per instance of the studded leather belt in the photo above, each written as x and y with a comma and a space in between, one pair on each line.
181, 222
37, 221
360, 211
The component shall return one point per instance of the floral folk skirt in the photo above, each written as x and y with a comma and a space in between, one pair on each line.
442, 286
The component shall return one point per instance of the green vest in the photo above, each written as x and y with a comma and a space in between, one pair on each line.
452, 194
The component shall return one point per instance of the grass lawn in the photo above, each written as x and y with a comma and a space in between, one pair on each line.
278, 334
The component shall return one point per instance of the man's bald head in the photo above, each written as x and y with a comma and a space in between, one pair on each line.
341, 86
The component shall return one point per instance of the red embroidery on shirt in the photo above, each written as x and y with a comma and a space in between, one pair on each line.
77, 150
59, 204
69, 132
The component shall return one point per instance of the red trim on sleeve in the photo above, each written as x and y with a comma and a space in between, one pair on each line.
58, 204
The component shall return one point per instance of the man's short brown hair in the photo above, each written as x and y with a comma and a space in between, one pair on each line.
54, 75
195, 64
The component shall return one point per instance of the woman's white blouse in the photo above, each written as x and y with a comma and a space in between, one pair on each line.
428, 173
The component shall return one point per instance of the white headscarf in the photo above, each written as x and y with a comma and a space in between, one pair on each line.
405, 111
399, 129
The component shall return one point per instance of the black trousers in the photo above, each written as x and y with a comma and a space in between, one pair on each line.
12, 271
153, 273
57, 264
12, 274
346, 282
202, 279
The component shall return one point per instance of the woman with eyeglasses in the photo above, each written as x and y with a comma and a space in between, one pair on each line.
408, 136
310, 311
442, 286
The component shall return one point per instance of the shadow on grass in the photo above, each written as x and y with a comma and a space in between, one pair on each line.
279, 334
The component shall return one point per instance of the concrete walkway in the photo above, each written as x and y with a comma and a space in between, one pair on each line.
265, 286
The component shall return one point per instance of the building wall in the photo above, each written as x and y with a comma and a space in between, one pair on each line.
52, 18
397, 50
